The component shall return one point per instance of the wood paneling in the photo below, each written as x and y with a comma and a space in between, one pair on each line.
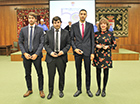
23, 2
8, 19
117, 1
115, 56
131, 42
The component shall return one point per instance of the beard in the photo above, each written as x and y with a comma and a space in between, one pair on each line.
31, 22
82, 19
57, 27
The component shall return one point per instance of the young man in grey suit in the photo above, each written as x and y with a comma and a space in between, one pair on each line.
57, 44
82, 41
31, 41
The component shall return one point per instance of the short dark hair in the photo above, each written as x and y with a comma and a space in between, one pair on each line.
82, 10
32, 14
56, 18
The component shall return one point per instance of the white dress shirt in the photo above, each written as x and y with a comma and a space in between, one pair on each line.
59, 37
80, 25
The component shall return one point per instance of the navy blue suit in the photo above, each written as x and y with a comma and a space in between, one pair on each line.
38, 42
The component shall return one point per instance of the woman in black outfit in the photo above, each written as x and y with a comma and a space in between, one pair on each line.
104, 42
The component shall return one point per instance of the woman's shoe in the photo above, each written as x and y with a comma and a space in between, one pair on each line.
98, 92
103, 93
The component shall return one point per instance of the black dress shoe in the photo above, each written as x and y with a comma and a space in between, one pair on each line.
77, 93
98, 92
89, 93
61, 94
103, 93
49, 95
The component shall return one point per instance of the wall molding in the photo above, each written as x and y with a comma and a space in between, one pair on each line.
24, 4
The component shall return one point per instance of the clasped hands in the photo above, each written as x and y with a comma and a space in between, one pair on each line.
54, 54
80, 52
28, 56
102, 46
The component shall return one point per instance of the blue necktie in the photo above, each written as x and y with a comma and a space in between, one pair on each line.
30, 48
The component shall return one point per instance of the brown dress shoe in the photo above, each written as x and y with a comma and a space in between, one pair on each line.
42, 95
27, 93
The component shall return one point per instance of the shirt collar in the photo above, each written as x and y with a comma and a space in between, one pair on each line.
58, 29
32, 25
82, 23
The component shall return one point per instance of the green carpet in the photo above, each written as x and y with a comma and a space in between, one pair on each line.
123, 86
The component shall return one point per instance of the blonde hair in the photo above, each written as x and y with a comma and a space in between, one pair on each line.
103, 20
32, 14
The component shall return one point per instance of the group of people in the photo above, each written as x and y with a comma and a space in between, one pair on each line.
92, 47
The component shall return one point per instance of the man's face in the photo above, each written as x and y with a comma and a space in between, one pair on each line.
31, 20
69, 23
97, 24
57, 24
42, 22
82, 15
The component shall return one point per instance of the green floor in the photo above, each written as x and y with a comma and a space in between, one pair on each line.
123, 86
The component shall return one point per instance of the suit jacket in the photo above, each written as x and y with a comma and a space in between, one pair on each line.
64, 44
38, 40
67, 27
87, 43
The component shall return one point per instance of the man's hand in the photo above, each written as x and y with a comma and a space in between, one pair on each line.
53, 54
60, 53
78, 51
91, 57
34, 56
27, 56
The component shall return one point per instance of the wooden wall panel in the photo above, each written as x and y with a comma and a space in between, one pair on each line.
13, 25
131, 42
8, 19
117, 1
2, 32
22, 2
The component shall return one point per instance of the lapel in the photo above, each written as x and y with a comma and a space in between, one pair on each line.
52, 35
85, 28
35, 30
77, 25
26, 31
61, 36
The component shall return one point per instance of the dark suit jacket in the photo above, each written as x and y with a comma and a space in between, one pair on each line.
86, 44
38, 40
64, 45
67, 27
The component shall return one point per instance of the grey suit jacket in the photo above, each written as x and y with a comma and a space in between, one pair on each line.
38, 40
64, 44
87, 43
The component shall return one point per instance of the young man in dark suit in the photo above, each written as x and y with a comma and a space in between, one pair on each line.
31, 40
57, 44
82, 41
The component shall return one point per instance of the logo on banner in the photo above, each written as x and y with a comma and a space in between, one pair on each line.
72, 3
111, 20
